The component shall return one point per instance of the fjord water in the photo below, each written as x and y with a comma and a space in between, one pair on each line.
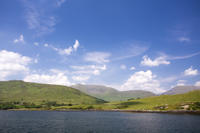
96, 122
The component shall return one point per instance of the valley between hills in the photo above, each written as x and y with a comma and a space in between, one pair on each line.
20, 95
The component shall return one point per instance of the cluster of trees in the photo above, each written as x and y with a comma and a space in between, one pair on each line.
17, 105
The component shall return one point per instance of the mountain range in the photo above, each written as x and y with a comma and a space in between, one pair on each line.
111, 94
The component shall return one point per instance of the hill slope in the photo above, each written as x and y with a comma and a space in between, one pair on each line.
163, 102
110, 94
181, 90
20, 91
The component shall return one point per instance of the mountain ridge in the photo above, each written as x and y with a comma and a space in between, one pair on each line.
111, 94
20, 91
181, 89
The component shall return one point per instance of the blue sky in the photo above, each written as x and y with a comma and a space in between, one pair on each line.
129, 45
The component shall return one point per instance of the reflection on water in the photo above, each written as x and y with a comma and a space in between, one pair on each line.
96, 122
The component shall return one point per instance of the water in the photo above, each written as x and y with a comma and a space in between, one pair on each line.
96, 122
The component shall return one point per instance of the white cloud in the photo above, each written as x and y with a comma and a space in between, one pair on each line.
183, 57
38, 18
88, 69
181, 82
97, 57
197, 83
19, 40
80, 78
123, 67
132, 50
66, 51
143, 81
132, 68
12, 63
54, 77
184, 39
190, 72
76, 45
156, 62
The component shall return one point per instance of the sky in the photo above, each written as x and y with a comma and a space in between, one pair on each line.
125, 44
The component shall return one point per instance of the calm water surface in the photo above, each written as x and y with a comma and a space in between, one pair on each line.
96, 122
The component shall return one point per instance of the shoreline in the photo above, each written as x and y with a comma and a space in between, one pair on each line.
116, 110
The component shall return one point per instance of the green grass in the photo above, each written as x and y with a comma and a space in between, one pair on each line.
19, 91
163, 102
23, 95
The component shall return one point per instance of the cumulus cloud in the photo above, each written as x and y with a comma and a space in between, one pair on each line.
97, 57
197, 83
123, 67
53, 77
143, 81
156, 62
191, 72
184, 39
12, 63
19, 40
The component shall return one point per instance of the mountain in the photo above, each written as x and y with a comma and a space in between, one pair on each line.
110, 94
20, 91
181, 90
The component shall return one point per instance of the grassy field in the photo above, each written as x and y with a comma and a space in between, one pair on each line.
23, 95
163, 102
23, 92
187, 101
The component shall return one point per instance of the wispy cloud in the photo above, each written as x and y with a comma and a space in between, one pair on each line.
97, 57
60, 2
182, 57
41, 19
36, 43
83, 73
184, 39
132, 51
132, 68
123, 67
88, 69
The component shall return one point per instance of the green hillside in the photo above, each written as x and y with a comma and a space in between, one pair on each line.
19, 92
190, 100
110, 94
